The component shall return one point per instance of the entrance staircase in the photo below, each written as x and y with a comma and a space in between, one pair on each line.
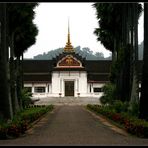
68, 101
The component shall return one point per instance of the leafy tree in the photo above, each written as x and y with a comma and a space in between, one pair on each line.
99, 55
109, 96
22, 34
116, 22
26, 97
24, 39
17, 33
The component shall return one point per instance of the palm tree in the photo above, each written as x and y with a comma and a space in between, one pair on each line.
19, 14
16, 23
29, 32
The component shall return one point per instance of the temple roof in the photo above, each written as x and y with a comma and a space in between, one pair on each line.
41, 70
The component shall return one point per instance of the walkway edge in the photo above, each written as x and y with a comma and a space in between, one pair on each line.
107, 123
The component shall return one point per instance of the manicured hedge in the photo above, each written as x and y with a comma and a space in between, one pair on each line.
22, 121
131, 124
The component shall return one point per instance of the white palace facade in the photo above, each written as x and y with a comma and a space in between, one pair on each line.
68, 74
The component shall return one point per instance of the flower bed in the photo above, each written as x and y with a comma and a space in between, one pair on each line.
131, 124
22, 121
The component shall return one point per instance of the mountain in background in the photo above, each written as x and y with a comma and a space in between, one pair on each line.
84, 52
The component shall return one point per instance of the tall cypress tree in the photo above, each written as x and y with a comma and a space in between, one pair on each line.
5, 100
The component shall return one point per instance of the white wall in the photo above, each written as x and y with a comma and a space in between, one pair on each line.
59, 78
57, 85
39, 95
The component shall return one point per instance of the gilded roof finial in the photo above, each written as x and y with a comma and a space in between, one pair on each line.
68, 47
68, 32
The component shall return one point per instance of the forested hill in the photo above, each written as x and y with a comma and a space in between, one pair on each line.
84, 52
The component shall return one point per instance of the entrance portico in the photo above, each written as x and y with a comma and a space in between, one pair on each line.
69, 83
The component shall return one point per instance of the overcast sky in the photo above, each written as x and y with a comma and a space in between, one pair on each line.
52, 22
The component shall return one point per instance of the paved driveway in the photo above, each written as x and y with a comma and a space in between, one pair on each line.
74, 125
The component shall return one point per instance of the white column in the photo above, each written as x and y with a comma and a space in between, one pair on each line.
60, 85
63, 87
77, 85
32, 88
92, 90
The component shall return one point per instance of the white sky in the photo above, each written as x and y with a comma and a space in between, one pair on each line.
52, 22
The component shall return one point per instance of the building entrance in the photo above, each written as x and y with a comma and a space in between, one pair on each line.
69, 88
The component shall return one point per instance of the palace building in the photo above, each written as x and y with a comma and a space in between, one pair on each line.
68, 74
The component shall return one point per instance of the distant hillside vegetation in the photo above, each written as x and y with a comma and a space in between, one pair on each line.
84, 52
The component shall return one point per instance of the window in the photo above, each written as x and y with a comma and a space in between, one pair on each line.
90, 88
97, 89
39, 89
29, 89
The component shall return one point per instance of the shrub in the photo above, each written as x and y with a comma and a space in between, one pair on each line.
21, 121
3, 131
26, 97
104, 100
131, 124
120, 106
109, 94
133, 108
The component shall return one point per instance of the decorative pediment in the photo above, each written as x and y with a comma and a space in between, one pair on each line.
69, 61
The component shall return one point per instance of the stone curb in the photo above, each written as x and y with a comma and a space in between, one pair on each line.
107, 123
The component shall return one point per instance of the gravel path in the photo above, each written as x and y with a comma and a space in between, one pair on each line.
74, 125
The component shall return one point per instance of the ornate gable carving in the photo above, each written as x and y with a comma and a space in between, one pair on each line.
69, 61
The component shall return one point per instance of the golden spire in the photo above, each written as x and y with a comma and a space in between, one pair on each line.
68, 47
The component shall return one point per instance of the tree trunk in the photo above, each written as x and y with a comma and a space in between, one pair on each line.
134, 94
13, 84
122, 83
143, 108
114, 54
22, 72
5, 100
19, 82
134, 90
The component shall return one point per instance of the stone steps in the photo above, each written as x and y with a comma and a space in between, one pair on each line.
68, 101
